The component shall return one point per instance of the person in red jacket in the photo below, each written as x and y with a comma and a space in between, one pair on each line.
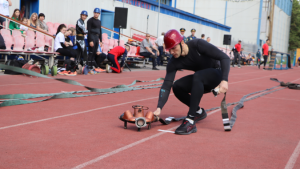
113, 56
265, 50
237, 53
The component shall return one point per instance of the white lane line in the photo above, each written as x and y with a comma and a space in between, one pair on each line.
290, 164
72, 114
131, 145
167, 131
120, 149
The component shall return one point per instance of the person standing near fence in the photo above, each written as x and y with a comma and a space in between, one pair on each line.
258, 56
265, 50
80, 32
237, 53
94, 35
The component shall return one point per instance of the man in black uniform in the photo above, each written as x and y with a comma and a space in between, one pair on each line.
201, 57
94, 35
80, 32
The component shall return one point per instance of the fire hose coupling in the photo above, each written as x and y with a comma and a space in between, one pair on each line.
138, 117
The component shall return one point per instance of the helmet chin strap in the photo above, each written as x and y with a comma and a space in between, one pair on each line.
180, 49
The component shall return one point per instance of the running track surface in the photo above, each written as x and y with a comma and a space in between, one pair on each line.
86, 132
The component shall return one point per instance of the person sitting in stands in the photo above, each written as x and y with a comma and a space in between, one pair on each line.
23, 27
131, 42
100, 57
33, 21
41, 24
60, 44
149, 51
113, 56
14, 25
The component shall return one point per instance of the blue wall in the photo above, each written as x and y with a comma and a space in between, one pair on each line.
168, 10
285, 5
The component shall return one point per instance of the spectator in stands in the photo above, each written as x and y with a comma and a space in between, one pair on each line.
100, 57
60, 44
72, 36
15, 16
94, 36
203, 36
182, 31
131, 42
208, 39
191, 37
149, 51
23, 27
22, 12
4, 5
113, 56
68, 39
248, 59
161, 48
33, 20
80, 33
41, 24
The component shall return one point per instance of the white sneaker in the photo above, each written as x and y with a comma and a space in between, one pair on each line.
108, 69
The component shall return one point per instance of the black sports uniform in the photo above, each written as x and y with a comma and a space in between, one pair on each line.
202, 58
94, 35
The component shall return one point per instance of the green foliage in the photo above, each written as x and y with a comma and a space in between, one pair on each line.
294, 41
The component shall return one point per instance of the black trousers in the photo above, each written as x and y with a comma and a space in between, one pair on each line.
100, 58
190, 89
236, 59
93, 51
67, 52
147, 55
265, 60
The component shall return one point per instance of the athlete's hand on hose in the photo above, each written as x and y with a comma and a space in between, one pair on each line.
223, 87
91, 44
98, 53
157, 112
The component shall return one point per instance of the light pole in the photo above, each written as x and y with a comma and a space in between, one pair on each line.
158, 17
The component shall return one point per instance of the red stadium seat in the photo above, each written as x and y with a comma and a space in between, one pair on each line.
70, 25
16, 33
8, 42
5, 32
116, 42
30, 33
104, 36
18, 44
111, 43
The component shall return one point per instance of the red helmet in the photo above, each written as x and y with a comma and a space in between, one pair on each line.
172, 38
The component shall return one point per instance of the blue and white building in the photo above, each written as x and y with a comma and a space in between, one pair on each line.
246, 20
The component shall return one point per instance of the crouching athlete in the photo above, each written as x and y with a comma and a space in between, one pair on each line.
202, 58
113, 56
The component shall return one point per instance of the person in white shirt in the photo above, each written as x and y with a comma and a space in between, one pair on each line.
60, 44
4, 4
161, 48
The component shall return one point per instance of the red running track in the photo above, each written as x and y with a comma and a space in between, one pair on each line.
86, 132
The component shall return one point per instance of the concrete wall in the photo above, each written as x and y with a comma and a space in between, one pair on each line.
137, 17
15, 4
281, 28
242, 17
